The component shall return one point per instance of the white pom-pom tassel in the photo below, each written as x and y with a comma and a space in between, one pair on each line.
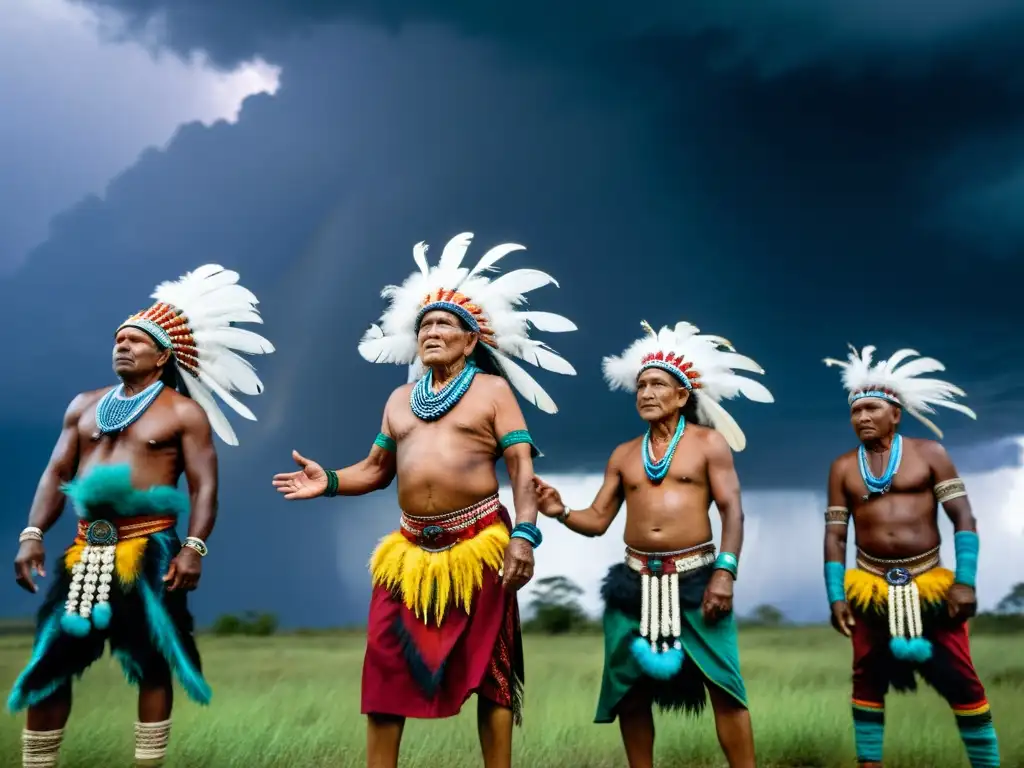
655, 602
677, 619
666, 616
645, 604
915, 595
892, 611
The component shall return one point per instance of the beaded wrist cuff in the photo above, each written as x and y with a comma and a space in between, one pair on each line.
528, 531
727, 561
31, 533
965, 545
194, 542
835, 574
332, 483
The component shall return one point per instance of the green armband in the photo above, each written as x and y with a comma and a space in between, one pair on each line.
385, 442
517, 436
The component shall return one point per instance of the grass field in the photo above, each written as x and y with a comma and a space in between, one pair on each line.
294, 701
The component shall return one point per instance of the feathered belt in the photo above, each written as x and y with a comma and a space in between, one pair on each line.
900, 589
431, 562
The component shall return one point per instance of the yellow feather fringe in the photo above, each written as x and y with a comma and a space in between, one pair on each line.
432, 580
127, 558
867, 591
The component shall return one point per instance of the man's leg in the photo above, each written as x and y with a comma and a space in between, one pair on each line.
153, 727
951, 672
494, 723
870, 685
636, 723
44, 729
383, 738
735, 733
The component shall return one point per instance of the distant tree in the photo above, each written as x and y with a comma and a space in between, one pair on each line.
1013, 602
767, 615
555, 606
249, 623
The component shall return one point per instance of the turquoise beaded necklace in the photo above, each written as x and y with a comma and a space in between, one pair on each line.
431, 406
884, 483
116, 412
657, 470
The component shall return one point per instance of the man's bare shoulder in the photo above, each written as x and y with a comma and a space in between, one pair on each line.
623, 450
81, 402
185, 408
843, 461
492, 384
931, 450
400, 394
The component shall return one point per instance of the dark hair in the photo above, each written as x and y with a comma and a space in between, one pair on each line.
689, 410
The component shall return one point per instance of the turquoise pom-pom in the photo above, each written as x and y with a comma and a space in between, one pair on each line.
917, 649
920, 650
75, 625
101, 614
661, 666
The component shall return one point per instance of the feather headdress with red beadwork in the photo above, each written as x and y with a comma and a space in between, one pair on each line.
900, 383
487, 306
192, 317
706, 365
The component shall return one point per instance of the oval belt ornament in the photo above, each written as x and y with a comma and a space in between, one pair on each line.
432, 531
897, 577
101, 533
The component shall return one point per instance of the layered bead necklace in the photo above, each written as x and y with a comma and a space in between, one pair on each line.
879, 485
431, 406
116, 412
656, 470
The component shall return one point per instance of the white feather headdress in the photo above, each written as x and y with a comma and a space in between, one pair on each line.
898, 384
705, 365
192, 318
487, 306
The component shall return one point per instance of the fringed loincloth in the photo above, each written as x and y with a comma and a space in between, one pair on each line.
441, 625
657, 644
109, 586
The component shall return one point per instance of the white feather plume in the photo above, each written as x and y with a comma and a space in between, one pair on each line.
917, 395
211, 299
393, 339
715, 360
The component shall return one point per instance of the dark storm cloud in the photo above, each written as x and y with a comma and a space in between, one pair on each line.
788, 213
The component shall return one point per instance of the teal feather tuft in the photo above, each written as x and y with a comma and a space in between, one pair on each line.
660, 666
110, 486
19, 698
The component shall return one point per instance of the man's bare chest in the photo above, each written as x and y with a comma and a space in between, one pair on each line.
685, 471
153, 432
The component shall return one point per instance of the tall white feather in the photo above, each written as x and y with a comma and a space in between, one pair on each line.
393, 339
210, 299
917, 395
712, 356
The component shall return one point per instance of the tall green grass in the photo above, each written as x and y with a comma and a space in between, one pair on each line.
294, 701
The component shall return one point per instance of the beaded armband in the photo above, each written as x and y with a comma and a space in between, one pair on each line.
837, 516
194, 542
528, 531
727, 561
332, 483
515, 437
385, 442
948, 490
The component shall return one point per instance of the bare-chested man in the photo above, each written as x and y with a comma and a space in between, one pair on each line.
443, 622
903, 611
672, 598
119, 456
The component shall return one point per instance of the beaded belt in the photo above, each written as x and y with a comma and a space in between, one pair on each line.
904, 605
901, 570
666, 563
441, 532
109, 532
660, 612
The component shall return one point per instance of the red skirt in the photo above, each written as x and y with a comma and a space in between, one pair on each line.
415, 668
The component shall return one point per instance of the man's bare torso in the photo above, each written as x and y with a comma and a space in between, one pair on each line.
151, 446
902, 522
674, 514
448, 464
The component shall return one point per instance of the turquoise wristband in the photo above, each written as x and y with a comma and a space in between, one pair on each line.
965, 545
835, 575
332, 483
727, 561
529, 533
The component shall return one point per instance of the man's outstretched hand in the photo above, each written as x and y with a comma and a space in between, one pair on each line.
307, 483
30, 558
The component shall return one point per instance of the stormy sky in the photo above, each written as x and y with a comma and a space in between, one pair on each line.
793, 175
